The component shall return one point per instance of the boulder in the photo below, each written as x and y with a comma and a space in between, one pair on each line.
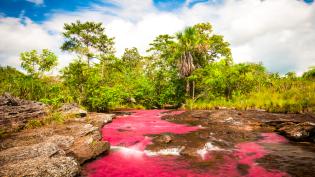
49, 150
100, 119
42, 166
8, 100
164, 138
15, 113
87, 129
87, 148
81, 129
304, 131
53, 145
73, 109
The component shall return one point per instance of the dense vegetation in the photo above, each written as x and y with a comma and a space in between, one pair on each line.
193, 69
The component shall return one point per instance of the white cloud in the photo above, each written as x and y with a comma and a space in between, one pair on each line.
37, 2
18, 35
141, 33
279, 33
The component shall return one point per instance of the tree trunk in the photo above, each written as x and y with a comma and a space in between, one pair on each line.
228, 93
103, 67
193, 89
187, 88
186, 67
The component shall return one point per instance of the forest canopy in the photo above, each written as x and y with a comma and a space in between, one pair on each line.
192, 69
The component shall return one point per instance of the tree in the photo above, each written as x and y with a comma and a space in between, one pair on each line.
36, 63
87, 39
310, 74
162, 70
75, 76
196, 47
211, 46
187, 43
162, 59
291, 75
132, 58
162, 47
218, 79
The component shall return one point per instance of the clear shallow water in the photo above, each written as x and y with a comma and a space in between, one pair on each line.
128, 157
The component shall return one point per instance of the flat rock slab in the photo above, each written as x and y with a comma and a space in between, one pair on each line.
54, 150
42, 166
15, 113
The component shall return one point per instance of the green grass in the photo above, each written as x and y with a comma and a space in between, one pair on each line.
128, 106
295, 99
33, 124
279, 106
53, 117
56, 117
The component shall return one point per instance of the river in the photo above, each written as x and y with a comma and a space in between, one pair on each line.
133, 152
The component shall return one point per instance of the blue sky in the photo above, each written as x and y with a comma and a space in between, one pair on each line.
40, 10
278, 33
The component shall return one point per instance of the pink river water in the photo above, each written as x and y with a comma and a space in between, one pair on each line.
128, 158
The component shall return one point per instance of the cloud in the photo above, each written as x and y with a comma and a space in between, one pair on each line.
133, 24
143, 32
37, 2
18, 35
279, 33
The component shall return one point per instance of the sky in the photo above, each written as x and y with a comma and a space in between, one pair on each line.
278, 33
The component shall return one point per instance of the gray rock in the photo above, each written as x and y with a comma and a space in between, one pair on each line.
299, 132
99, 119
42, 166
64, 142
87, 147
9, 100
73, 109
82, 129
46, 149
15, 113
50, 150
87, 128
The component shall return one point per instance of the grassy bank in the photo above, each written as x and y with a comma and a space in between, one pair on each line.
296, 97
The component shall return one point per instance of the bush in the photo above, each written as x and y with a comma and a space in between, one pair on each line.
54, 117
33, 124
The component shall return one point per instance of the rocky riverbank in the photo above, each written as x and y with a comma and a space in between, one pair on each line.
57, 149
224, 132
211, 143
224, 128
296, 127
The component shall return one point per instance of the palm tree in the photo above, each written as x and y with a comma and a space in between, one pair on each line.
195, 47
186, 47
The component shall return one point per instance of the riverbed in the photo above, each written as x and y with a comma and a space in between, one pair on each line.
200, 143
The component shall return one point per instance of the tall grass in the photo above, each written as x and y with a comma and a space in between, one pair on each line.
296, 97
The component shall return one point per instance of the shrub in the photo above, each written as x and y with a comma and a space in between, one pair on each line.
33, 124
